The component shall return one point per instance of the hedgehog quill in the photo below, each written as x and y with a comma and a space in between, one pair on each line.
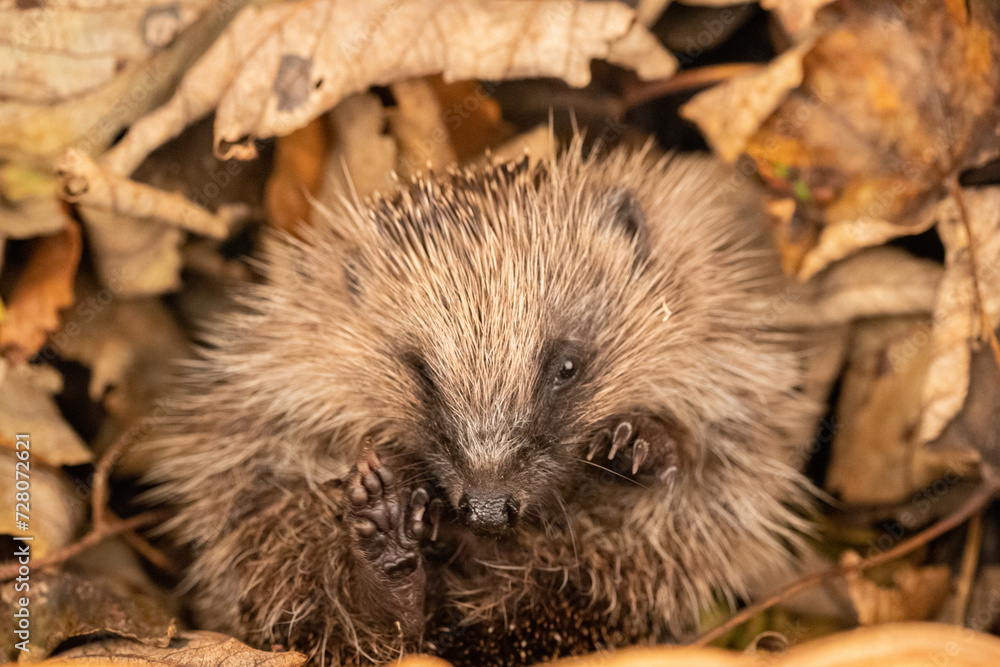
508, 414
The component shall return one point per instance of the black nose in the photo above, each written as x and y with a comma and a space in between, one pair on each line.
488, 514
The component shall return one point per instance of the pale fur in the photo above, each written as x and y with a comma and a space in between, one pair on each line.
291, 389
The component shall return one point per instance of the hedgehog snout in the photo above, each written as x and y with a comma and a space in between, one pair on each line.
487, 512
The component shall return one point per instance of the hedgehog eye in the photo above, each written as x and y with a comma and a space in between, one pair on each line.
566, 370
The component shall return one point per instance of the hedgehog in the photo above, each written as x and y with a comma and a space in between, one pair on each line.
507, 413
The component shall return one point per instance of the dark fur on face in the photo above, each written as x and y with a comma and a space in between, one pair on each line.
573, 371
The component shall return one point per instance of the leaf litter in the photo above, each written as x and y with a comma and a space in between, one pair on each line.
860, 128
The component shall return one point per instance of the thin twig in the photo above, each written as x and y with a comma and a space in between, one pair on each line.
102, 475
636, 92
974, 504
970, 561
97, 535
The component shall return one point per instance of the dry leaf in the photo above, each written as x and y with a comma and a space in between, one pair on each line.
473, 118
28, 202
42, 290
363, 155
130, 347
55, 510
873, 457
186, 649
278, 67
26, 406
418, 125
874, 282
299, 166
76, 75
66, 605
916, 596
966, 286
894, 97
756, 95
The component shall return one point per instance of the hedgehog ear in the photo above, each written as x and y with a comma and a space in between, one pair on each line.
628, 216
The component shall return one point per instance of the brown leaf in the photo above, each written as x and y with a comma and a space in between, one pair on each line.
894, 97
879, 407
473, 118
73, 75
278, 67
136, 229
916, 595
368, 155
419, 128
966, 287
186, 649
43, 288
26, 406
66, 605
795, 15
299, 162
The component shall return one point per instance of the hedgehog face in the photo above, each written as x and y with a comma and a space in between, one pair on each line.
496, 311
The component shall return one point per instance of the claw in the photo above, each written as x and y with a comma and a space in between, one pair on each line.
418, 501
622, 433
603, 437
641, 453
435, 510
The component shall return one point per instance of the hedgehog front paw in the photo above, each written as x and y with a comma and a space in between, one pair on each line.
637, 444
387, 522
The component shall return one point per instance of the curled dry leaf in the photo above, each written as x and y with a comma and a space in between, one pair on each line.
135, 229
75, 74
186, 649
278, 67
42, 290
26, 406
971, 282
893, 98
875, 282
66, 605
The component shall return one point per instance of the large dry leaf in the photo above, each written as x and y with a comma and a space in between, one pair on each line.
970, 285
876, 458
278, 67
43, 289
66, 605
75, 74
894, 98
26, 406
187, 649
